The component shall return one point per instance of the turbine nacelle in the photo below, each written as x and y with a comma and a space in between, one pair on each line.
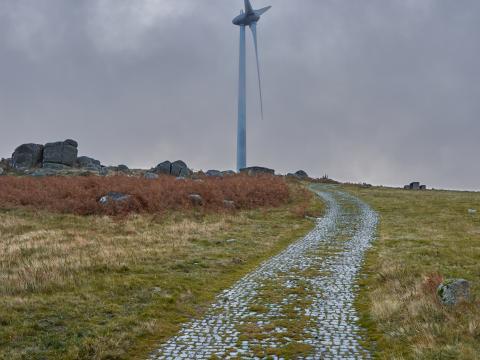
245, 19
250, 16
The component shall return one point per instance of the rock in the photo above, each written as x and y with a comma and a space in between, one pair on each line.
415, 186
113, 197
54, 166
123, 168
257, 170
229, 204
452, 292
103, 171
150, 176
472, 211
179, 168
1, 171
423, 187
196, 199
229, 173
214, 173
61, 152
407, 187
88, 163
301, 174
27, 156
180, 178
163, 168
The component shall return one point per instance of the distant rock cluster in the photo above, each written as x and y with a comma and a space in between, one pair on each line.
415, 186
61, 158
300, 175
51, 158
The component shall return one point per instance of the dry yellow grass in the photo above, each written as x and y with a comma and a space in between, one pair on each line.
423, 236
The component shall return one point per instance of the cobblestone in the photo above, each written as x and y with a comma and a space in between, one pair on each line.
299, 301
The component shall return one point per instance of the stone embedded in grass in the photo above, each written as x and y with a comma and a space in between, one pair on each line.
196, 199
472, 211
113, 197
229, 204
454, 291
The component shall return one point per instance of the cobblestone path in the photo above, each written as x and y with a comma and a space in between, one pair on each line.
298, 304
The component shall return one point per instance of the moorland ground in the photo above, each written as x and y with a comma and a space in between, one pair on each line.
423, 238
113, 287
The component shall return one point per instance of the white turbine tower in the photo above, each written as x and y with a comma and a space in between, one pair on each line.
249, 17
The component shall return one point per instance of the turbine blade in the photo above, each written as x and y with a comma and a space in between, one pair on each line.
262, 11
253, 27
248, 7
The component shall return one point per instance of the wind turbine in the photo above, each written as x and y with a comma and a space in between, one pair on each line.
249, 17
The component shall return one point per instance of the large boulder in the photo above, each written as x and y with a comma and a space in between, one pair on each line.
257, 170
27, 156
61, 152
177, 168
163, 168
88, 163
454, 291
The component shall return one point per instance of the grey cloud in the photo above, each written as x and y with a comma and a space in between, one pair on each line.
378, 91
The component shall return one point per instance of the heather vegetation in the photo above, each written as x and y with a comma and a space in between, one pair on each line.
80, 195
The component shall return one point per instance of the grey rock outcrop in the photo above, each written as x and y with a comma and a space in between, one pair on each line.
163, 168
214, 173
27, 156
1, 171
301, 174
113, 197
88, 163
123, 168
229, 173
257, 170
61, 152
452, 292
177, 168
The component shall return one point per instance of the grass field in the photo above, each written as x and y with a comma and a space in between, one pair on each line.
96, 287
423, 237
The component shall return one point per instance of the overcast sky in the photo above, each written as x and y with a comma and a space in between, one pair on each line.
382, 91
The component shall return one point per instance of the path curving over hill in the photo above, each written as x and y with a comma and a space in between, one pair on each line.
297, 304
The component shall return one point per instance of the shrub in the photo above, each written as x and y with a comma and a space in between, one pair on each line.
80, 195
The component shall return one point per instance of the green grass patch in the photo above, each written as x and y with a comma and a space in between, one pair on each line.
423, 237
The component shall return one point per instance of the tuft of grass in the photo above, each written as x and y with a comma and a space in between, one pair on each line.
423, 237
97, 287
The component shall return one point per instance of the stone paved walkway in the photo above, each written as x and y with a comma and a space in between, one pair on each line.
298, 304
